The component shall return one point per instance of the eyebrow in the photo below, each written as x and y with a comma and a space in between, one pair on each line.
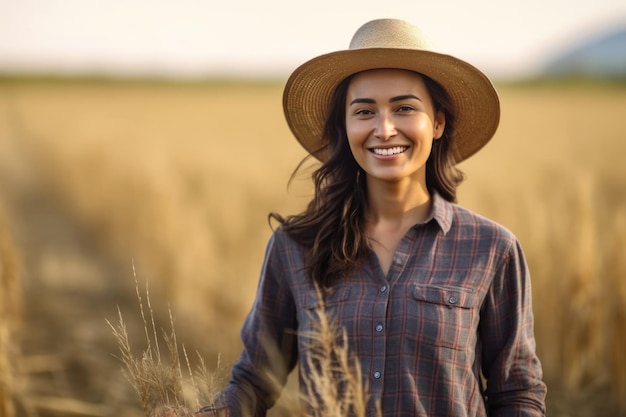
404, 97
391, 100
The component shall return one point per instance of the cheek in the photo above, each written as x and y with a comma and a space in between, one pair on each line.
356, 136
420, 133
422, 126
354, 145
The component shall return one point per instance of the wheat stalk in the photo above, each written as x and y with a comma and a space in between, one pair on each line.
333, 385
161, 384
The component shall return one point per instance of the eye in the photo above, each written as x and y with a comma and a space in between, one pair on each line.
363, 112
404, 108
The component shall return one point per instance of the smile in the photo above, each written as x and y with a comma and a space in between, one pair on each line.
390, 151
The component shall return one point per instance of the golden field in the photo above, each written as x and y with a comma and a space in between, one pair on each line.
103, 183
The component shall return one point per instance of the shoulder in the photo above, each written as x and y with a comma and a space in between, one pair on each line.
282, 244
280, 237
467, 223
486, 239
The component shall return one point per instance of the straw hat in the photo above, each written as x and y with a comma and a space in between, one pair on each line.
391, 43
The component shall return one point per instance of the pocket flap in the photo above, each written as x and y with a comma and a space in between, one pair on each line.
452, 297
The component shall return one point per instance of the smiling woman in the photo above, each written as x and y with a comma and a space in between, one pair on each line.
433, 299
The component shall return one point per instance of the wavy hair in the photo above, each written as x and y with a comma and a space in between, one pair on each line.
332, 228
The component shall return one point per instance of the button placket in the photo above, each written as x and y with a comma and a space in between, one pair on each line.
379, 343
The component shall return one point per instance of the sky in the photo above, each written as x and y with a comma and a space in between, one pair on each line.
190, 38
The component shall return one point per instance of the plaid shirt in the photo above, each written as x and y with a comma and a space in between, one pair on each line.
455, 304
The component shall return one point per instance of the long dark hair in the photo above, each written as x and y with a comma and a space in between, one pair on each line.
332, 227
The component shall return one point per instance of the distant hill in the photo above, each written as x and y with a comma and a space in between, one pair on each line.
603, 56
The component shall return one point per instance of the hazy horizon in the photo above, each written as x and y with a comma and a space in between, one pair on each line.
198, 38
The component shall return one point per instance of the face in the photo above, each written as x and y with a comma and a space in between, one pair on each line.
391, 124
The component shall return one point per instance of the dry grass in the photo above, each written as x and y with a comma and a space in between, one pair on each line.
10, 300
184, 200
181, 180
164, 382
333, 383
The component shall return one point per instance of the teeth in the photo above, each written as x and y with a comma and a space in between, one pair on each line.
390, 151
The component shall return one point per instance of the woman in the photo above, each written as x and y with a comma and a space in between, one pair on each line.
434, 299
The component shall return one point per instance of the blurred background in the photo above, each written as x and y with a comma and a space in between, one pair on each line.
144, 141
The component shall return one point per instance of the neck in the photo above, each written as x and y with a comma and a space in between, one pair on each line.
400, 203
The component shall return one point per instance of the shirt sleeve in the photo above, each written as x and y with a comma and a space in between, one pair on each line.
509, 360
269, 341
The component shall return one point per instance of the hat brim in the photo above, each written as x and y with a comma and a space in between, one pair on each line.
309, 89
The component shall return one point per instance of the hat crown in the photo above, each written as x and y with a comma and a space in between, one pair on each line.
389, 33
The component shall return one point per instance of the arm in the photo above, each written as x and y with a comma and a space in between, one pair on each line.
510, 364
269, 345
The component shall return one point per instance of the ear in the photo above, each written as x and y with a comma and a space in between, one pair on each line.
439, 125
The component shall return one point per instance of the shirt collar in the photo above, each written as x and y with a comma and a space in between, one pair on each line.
441, 212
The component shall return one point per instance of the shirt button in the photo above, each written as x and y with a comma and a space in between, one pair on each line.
452, 299
383, 288
377, 375
379, 327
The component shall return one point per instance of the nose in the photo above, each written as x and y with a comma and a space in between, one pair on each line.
385, 128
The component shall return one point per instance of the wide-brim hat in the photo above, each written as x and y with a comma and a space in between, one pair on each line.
391, 43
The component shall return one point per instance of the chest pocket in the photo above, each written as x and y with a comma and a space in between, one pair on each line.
445, 316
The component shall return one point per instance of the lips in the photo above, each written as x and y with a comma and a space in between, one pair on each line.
389, 151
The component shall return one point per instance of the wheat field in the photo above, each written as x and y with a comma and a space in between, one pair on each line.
175, 181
